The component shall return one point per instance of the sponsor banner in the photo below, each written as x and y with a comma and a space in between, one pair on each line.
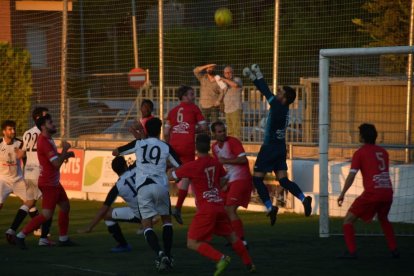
71, 172
98, 175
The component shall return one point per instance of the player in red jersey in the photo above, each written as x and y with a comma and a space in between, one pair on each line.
180, 129
49, 183
372, 161
207, 176
230, 152
147, 106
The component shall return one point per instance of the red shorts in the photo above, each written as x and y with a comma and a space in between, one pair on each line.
205, 225
238, 193
366, 207
185, 153
52, 195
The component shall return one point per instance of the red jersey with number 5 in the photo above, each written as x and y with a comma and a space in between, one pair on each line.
205, 174
46, 153
372, 161
182, 121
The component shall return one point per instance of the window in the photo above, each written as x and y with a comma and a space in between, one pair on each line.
36, 44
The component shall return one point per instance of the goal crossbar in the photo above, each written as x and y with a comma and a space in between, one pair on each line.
324, 55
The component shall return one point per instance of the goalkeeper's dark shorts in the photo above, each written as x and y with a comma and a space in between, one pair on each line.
271, 157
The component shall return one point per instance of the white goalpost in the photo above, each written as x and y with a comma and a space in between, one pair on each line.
324, 117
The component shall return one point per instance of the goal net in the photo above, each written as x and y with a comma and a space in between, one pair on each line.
365, 85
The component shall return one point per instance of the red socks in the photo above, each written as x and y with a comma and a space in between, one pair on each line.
349, 235
241, 250
63, 222
208, 251
237, 226
182, 194
389, 234
34, 224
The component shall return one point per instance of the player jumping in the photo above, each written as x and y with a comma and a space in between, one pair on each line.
372, 161
272, 154
207, 177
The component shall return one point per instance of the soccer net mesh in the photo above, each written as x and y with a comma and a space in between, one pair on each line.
367, 89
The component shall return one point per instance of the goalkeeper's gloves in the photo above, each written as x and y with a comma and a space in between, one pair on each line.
177, 215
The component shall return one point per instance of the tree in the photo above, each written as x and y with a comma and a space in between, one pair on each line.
388, 26
15, 85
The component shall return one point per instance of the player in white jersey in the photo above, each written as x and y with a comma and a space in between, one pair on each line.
11, 176
32, 171
125, 188
152, 187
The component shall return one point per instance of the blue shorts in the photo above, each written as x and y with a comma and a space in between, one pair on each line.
271, 157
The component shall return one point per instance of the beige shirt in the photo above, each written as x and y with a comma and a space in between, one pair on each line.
233, 97
209, 91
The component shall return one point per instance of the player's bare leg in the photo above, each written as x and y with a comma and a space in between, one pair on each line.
235, 221
261, 189
241, 250
349, 236
294, 189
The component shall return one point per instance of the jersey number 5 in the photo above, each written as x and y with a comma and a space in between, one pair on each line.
380, 158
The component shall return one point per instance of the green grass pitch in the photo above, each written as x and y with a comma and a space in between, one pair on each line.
291, 247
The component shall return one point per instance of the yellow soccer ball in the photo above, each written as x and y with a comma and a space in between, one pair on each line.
223, 17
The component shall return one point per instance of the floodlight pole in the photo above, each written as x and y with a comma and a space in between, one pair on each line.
134, 33
161, 59
409, 89
324, 55
63, 77
276, 45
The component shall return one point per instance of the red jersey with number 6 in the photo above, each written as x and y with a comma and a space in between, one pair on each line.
205, 174
182, 121
372, 161
46, 153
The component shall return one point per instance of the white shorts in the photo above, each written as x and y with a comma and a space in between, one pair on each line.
33, 188
19, 188
125, 214
153, 199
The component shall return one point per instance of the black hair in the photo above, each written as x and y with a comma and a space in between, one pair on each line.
203, 143
182, 91
216, 123
42, 120
8, 123
148, 102
368, 133
119, 165
38, 111
153, 127
290, 94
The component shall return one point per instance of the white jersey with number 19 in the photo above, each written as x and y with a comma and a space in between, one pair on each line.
32, 167
152, 156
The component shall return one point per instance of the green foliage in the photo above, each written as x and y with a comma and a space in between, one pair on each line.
15, 85
388, 25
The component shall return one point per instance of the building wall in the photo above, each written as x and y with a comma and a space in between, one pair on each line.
5, 21
46, 77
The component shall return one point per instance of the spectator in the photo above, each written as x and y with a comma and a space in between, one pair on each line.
210, 92
232, 102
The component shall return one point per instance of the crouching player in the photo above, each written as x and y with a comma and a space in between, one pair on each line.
125, 188
372, 161
207, 175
